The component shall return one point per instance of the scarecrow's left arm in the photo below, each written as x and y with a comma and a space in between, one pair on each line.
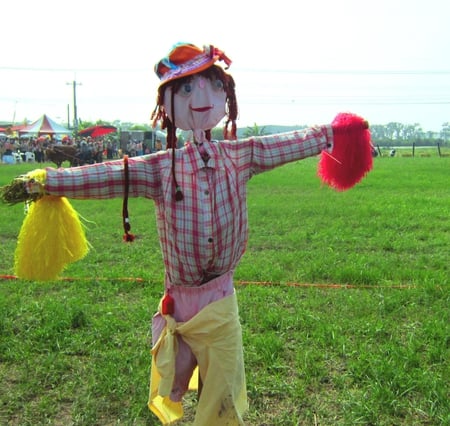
344, 146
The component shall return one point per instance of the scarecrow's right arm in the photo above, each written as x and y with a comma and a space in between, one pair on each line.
51, 235
96, 181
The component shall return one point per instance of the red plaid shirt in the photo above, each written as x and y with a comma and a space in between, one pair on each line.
206, 233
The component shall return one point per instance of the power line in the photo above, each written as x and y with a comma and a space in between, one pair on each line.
44, 69
344, 71
352, 100
249, 70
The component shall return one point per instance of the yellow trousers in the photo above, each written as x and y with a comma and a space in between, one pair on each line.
215, 337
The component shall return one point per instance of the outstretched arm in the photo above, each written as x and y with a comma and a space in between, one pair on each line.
96, 181
52, 236
259, 154
345, 148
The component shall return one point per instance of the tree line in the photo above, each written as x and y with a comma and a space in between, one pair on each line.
399, 134
391, 134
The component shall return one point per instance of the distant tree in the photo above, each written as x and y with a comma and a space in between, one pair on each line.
85, 124
445, 132
401, 134
255, 131
378, 132
393, 131
144, 127
411, 131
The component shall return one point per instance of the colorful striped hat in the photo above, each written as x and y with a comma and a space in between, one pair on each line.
186, 59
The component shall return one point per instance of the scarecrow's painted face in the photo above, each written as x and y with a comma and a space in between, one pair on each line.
199, 103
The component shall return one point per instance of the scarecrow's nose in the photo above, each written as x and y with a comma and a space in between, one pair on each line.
201, 82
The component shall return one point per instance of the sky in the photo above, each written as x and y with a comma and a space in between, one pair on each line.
294, 63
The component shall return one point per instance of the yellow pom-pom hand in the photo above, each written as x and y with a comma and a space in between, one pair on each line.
51, 235
50, 238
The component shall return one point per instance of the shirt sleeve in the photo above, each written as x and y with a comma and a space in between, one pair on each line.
262, 153
107, 180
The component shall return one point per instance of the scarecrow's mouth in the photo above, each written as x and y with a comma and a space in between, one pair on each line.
202, 109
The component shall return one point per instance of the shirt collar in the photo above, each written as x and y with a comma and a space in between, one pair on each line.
193, 161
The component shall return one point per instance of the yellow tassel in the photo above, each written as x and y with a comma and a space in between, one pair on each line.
51, 237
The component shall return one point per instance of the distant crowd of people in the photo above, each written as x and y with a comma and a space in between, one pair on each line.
14, 150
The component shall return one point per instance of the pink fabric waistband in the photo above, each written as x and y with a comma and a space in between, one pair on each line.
190, 300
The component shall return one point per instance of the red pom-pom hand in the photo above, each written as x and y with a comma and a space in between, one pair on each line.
351, 157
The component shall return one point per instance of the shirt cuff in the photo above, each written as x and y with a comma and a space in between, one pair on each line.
328, 132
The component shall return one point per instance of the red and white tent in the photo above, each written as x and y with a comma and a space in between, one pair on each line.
44, 126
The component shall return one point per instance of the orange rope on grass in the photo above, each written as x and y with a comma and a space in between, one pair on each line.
245, 283
321, 285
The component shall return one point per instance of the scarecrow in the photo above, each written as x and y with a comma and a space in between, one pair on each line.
199, 192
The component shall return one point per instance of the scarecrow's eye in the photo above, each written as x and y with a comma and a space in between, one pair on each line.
185, 89
217, 84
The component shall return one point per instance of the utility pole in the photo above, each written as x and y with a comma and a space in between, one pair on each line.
75, 117
14, 115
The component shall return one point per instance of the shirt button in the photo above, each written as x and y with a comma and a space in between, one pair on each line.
210, 240
206, 192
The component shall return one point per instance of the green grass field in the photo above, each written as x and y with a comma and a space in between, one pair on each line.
344, 303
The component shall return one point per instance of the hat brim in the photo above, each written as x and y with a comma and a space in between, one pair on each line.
198, 64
